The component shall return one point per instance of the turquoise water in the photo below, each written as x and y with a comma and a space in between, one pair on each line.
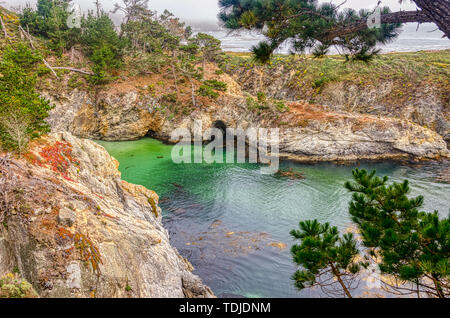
233, 223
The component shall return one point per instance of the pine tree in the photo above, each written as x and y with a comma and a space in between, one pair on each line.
49, 20
327, 260
413, 246
102, 45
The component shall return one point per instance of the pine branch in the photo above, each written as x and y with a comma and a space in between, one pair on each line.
395, 17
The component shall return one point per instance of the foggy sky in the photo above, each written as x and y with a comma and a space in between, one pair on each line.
207, 10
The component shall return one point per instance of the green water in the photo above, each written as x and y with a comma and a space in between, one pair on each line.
229, 220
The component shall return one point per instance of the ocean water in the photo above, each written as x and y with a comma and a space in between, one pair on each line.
411, 39
233, 224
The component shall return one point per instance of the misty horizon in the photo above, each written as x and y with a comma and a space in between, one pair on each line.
197, 12
201, 15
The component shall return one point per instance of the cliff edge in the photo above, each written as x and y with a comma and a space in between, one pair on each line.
73, 228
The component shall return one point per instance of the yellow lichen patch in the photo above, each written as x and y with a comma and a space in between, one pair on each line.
442, 65
89, 252
140, 193
154, 207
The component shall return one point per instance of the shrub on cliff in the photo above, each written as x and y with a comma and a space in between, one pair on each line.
209, 46
207, 91
12, 286
101, 44
22, 110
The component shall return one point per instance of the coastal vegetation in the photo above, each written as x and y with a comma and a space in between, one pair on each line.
144, 42
326, 258
22, 110
410, 68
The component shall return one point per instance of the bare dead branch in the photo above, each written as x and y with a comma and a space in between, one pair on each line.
73, 70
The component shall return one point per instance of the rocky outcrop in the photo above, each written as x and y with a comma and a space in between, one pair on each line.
358, 137
307, 132
426, 104
73, 228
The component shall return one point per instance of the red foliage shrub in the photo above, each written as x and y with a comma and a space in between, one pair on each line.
59, 157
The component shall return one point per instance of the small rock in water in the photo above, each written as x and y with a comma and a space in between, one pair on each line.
291, 174
215, 224
178, 211
164, 200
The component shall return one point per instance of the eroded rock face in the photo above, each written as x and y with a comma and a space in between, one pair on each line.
308, 132
75, 229
353, 137
426, 104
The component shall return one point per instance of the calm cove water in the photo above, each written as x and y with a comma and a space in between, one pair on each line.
233, 223
411, 39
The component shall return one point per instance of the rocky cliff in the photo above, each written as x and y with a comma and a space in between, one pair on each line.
129, 110
73, 228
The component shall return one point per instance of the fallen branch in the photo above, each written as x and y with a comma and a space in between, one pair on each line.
52, 68
4, 28
73, 70
28, 36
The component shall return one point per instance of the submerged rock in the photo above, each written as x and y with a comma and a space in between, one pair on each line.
291, 174
101, 236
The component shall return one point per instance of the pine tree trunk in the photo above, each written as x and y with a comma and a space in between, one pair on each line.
174, 74
338, 276
438, 11
438, 287
71, 54
4, 28
204, 66
193, 92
